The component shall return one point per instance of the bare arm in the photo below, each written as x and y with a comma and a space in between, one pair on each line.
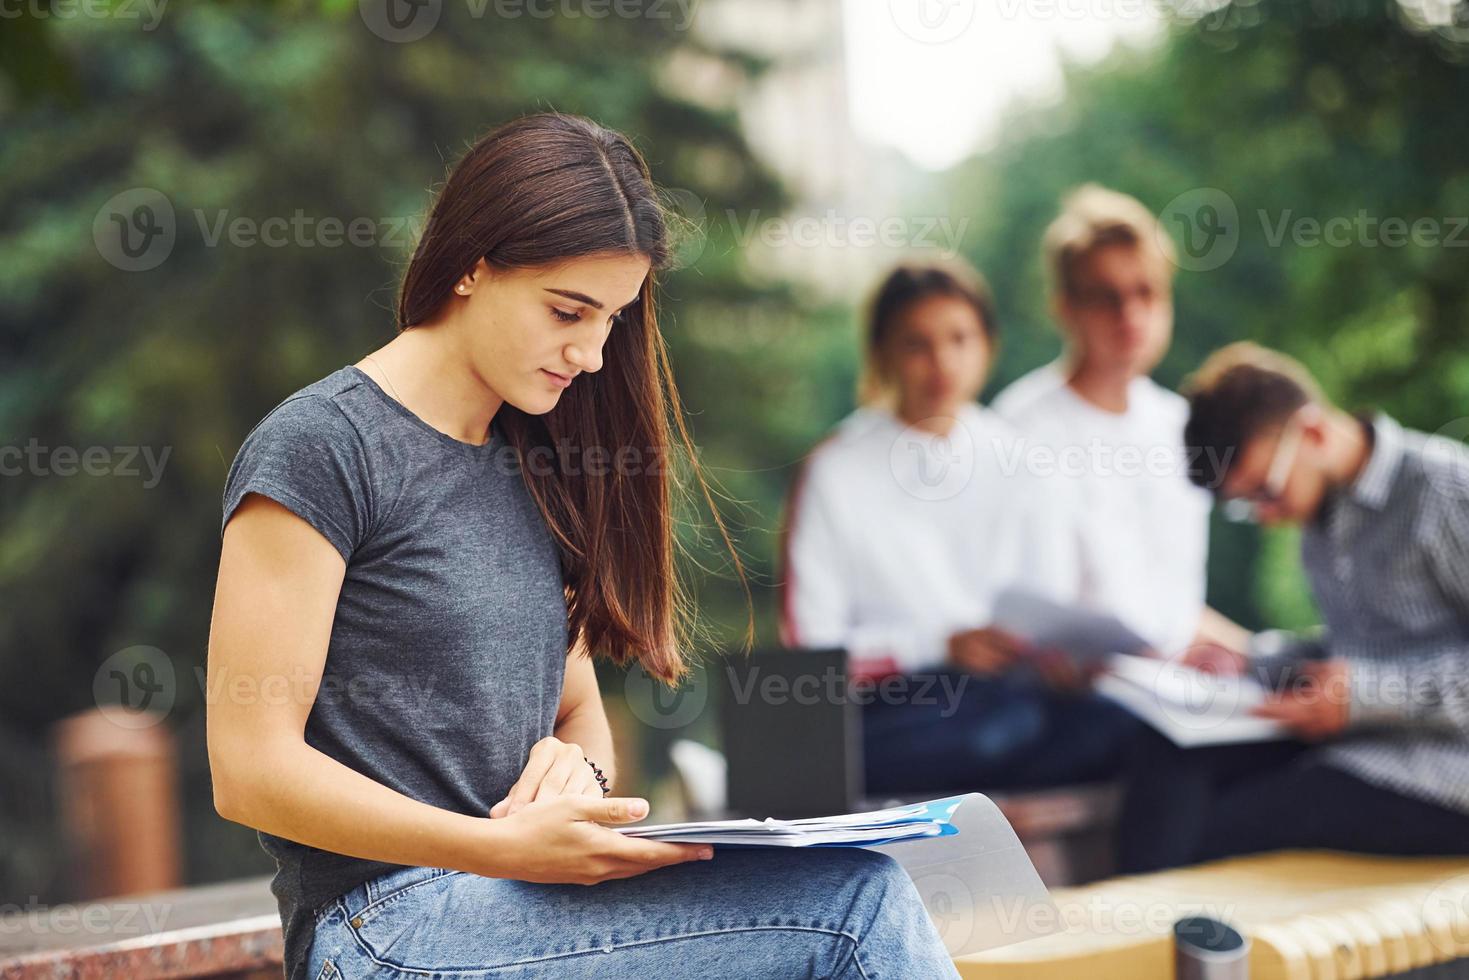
275, 601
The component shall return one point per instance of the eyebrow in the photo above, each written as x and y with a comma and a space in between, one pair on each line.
583, 298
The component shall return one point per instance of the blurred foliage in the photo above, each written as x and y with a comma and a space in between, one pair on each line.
262, 111
1294, 111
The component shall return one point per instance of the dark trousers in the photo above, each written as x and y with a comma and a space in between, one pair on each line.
1184, 806
984, 733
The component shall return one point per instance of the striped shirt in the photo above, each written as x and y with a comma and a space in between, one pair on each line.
1388, 562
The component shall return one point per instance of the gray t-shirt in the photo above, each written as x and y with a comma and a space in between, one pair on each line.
449, 642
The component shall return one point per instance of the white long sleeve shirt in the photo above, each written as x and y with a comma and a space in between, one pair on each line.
897, 538
1145, 530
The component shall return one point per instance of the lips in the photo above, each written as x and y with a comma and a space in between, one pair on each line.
560, 380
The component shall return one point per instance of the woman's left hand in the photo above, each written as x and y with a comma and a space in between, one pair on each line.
555, 768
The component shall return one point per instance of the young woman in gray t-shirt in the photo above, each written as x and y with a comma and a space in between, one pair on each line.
421, 550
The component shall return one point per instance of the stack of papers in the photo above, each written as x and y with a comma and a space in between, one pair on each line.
1191, 707
970, 870
932, 819
1085, 636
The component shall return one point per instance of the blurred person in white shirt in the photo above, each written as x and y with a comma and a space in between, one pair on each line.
903, 526
1103, 432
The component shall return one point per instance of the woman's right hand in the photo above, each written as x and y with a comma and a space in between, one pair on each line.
562, 840
984, 651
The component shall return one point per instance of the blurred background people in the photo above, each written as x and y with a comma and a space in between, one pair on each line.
904, 525
1378, 711
1117, 434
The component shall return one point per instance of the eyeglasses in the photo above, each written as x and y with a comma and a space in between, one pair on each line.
1246, 509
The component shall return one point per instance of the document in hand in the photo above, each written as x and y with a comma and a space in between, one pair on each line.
970, 869
1087, 637
1189, 706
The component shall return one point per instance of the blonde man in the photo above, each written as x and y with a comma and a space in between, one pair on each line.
1096, 424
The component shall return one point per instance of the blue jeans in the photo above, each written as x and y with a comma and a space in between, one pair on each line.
752, 914
957, 731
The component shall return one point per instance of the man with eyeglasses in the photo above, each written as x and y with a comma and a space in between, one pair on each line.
1378, 704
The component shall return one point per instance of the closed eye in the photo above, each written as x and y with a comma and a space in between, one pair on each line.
565, 317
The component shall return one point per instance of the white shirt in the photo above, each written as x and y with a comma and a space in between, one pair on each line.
897, 538
1145, 531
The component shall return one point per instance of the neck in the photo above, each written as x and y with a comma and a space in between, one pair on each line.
1350, 449
1104, 388
937, 421
427, 370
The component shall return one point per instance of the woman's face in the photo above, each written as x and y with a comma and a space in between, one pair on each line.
531, 331
938, 356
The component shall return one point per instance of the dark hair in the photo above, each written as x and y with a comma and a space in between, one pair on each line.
545, 188
903, 288
1240, 392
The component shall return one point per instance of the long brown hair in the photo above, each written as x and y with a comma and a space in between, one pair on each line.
546, 188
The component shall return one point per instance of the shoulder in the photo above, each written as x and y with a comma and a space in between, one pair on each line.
1021, 397
846, 448
321, 415
1161, 403
1440, 476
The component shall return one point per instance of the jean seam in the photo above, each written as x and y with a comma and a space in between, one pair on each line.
325, 911
371, 910
597, 950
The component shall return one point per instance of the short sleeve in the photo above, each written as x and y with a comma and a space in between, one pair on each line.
307, 456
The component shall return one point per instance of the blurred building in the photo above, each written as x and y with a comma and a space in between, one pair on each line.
797, 119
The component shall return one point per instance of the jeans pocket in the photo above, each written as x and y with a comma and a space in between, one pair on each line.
384, 891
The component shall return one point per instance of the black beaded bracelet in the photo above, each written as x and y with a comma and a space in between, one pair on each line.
601, 776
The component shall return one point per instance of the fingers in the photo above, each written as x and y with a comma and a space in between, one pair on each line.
613, 809
542, 758
558, 779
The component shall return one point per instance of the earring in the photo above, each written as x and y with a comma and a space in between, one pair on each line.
461, 287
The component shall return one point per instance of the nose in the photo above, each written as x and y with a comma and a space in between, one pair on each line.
585, 355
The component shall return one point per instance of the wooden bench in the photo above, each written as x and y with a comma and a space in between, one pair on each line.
230, 931
1310, 915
